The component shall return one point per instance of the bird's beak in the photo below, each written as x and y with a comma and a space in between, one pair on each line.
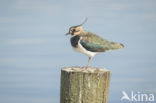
67, 34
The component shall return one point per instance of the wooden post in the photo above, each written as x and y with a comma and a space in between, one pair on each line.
84, 86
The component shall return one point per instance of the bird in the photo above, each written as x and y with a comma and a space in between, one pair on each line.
89, 43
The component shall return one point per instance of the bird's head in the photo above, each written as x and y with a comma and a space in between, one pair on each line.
76, 30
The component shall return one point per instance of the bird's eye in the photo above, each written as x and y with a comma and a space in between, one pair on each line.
74, 30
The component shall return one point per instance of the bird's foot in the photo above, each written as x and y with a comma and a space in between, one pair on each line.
87, 67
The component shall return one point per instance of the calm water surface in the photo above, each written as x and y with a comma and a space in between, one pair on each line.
33, 47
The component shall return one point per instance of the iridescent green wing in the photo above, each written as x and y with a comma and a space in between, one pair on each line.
95, 43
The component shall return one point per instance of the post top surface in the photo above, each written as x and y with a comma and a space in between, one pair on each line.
85, 70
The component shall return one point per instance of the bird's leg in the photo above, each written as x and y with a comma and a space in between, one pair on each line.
89, 59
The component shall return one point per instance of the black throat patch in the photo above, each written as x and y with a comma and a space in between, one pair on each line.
74, 41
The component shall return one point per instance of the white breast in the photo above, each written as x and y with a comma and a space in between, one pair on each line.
81, 49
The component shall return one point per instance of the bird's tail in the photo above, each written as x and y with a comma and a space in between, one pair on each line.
114, 45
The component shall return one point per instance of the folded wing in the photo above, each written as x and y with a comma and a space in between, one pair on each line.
95, 43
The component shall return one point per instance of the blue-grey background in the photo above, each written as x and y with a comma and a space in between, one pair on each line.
33, 47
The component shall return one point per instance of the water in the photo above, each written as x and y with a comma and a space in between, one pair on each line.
33, 47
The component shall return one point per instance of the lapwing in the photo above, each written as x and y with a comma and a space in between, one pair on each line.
90, 43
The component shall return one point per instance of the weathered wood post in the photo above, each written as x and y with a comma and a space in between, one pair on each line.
84, 86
